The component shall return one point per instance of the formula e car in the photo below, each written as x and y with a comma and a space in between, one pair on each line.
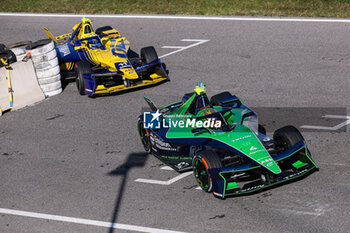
103, 62
222, 142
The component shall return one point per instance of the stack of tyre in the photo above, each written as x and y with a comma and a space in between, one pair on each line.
45, 62
46, 65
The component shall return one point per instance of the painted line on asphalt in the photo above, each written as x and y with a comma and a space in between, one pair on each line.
299, 212
167, 182
220, 18
336, 117
85, 221
334, 164
182, 48
347, 122
317, 210
160, 181
167, 168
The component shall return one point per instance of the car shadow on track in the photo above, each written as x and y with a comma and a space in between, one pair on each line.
132, 161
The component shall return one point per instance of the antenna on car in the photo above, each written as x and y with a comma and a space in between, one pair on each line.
200, 88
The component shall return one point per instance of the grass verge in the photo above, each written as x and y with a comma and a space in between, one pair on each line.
299, 8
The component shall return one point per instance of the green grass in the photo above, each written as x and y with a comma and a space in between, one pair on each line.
302, 8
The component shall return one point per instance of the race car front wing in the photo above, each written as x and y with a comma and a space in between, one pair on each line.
93, 85
295, 163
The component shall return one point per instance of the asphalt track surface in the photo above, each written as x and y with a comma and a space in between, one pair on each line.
74, 156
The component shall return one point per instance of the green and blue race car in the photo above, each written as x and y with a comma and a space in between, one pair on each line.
222, 142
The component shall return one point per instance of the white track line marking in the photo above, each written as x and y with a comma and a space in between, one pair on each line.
347, 122
167, 168
161, 182
334, 164
220, 18
182, 48
172, 47
336, 117
298, 212
85, 221
317, 210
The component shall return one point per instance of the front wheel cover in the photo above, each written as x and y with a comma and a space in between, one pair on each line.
80, 81
201, 174
80, 85
144, 136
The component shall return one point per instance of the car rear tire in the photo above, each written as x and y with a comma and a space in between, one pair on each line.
82, 68
144, 135
148, 54
201, 163
215, 99
286, 137
261, 129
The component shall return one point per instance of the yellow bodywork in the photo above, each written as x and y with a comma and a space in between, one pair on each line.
110, 54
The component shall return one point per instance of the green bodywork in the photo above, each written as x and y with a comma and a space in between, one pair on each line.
241, 137
237, 134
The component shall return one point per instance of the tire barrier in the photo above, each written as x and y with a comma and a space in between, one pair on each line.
19, 49
47, 71
44, 81
45, 57
46, 65
25, 81
51, 86
52, 93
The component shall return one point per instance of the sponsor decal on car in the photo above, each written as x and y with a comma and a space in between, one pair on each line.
160, 144
251, 188
122, 65
257, 151
241, 138
63, 50
294, 174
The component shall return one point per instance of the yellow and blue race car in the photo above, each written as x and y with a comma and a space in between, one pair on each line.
103, 62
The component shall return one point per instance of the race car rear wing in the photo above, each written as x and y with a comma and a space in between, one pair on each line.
61, 38
151, 104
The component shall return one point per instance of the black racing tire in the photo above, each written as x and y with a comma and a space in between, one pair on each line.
2, 48
99, 30
201, 163
9, 55
148, 54
215, 99
81, 68
19, 44
287, 136
38, 44
144, 135
261, 129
